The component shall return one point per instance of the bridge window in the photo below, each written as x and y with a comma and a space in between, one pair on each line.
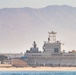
56, 50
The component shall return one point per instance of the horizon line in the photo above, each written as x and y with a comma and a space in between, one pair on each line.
36, 7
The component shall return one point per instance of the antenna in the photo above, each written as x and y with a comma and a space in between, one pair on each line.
52, 37
34, 44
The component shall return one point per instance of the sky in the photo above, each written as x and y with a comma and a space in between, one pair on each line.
34, 3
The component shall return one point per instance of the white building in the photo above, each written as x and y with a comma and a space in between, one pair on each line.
51, 55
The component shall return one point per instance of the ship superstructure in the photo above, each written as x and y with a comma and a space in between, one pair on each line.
52, 46
51, 55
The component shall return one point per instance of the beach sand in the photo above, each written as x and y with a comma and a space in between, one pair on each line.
38, 69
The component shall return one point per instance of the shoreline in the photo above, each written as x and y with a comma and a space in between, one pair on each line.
38, 69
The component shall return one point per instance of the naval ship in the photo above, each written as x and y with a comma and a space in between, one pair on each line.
51, 54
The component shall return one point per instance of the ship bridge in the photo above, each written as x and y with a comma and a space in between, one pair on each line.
52, 45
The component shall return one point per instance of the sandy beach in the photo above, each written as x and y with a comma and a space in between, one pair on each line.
38, 69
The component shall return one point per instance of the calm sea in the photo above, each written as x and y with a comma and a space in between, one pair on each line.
39, 73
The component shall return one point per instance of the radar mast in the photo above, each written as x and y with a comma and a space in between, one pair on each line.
34, 44
52, 37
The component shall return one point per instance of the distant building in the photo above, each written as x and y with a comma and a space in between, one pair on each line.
18, 62
11, 56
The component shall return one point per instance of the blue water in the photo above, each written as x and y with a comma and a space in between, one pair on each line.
39, 73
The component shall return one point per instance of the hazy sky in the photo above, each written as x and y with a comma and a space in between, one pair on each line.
34, 3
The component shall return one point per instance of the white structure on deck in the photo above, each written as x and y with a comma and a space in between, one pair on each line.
51, 55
